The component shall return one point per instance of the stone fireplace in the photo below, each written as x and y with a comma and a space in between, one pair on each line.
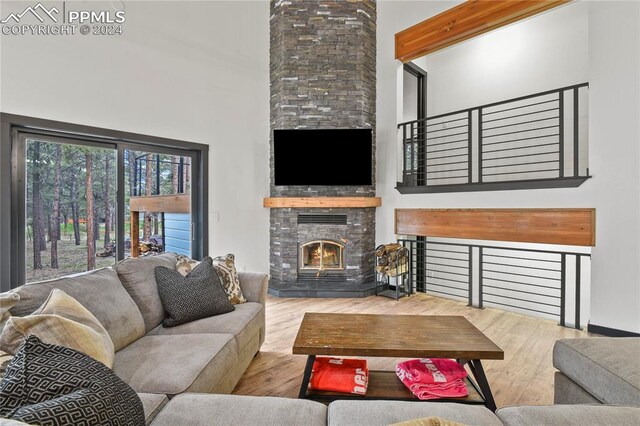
322, 69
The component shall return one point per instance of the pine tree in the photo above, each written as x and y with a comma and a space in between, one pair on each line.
91, 241
55, 217
105, 196
36, 200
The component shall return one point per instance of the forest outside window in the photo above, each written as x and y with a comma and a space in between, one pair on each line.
82, 201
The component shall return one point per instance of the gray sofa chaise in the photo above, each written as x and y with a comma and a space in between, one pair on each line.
597, 370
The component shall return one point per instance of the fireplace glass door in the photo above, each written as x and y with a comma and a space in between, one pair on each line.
321, 255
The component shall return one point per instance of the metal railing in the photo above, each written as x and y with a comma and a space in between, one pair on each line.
521, 279
540, 139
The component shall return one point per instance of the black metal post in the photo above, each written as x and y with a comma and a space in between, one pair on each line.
578, 280
561, 133
421, 263
576, 129
480, 145
470, 276
469, 147
563, 268
480, 278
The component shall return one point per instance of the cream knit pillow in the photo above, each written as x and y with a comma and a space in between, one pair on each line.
62, 321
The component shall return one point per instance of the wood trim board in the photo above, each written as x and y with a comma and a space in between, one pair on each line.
467, 20
161, 203
546, 226
322, 202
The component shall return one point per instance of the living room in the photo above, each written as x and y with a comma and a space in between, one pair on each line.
172, 116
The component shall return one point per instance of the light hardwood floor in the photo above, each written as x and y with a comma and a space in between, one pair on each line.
524, 377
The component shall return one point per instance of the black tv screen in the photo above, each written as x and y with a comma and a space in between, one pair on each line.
325, 157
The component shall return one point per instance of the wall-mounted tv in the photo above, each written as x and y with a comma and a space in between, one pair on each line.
327, 157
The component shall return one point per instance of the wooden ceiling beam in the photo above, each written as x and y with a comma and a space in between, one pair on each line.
467, 20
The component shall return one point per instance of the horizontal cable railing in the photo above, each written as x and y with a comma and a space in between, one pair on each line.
521, 279
537, 138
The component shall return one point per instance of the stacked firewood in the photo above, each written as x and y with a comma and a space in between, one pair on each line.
392, 259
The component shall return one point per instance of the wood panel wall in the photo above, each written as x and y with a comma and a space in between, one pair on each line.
548, 226
467, 20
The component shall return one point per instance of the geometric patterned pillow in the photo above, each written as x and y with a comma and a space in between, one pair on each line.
225, 265
54, 385
5, 358
198, 295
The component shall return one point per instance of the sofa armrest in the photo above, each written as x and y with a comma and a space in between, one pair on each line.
254, 286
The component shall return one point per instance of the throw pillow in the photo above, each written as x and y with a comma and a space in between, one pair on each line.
54, 385
63, 321
198, 295
7, 301
225, 265
184, 264
5, 359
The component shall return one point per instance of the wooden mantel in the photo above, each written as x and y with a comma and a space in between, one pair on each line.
321, 202
573, 227
467, 20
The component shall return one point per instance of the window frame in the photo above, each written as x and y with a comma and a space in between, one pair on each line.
13, 128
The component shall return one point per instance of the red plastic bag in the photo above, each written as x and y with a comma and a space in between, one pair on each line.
340, 375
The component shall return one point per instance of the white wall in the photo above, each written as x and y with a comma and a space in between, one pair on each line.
195, 71
547, 52
613, 71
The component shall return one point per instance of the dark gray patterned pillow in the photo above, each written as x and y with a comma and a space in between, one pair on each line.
198, 295
53, 385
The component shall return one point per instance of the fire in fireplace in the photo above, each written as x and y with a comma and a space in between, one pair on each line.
322, 255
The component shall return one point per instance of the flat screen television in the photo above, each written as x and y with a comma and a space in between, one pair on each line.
327, 157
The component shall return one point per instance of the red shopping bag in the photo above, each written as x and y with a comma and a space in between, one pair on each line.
340, 375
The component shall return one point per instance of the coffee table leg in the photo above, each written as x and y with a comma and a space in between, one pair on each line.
306, 377
478, 373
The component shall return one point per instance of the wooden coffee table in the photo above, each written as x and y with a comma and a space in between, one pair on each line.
396, 336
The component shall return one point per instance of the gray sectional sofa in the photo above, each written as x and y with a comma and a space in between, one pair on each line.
207, 356
182, 374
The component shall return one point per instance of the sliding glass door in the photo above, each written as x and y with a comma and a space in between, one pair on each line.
83, 198
67, 190
157, 202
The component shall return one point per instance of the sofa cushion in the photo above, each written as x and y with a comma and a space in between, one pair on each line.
138, 278
63, 321
152, 403
569, 415
188, 298
608, 368
174, 364
100, 292
244, 322
230, 410
54, 385
371, 413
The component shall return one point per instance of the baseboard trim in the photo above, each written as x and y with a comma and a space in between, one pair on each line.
610, 332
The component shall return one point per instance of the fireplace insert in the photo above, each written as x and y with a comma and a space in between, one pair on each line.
321, 255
